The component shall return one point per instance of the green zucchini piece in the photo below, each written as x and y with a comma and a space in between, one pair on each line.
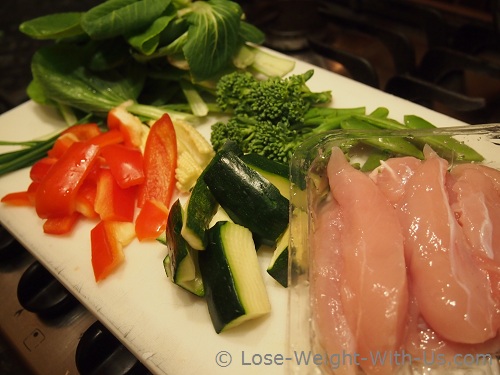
275, 172
181, 261
278, 266
234, 286
201, 208
220, 215
248, 198
199, 211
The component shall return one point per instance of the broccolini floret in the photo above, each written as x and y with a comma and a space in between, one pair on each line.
272, 117
275, 99
274, 141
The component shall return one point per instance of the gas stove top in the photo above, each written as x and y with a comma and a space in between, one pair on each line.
48, 328
444, 55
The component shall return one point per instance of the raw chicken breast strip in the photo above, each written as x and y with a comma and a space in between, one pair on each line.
453, 294
329, 319
476, 204
391, 176
374, 285
432, 350
475, 200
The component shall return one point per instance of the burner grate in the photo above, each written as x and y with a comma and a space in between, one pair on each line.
444, 60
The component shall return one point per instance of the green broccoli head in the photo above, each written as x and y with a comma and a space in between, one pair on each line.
268, 116
274, 141
275, 99
232, 87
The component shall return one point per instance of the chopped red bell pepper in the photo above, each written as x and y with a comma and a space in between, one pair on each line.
60, 225
125, 163
85, 199
84, 132
111, 201
55, 197
111, 137
107, 241
128, 124
62, 144
39, 170
151, 220
18, 198
32, 188
160, 161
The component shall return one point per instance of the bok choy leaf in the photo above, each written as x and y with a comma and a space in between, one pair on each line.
60, 71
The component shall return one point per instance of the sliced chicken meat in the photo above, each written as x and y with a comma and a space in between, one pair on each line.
329, 319
476, 204
373, 291
453, 294
392, 174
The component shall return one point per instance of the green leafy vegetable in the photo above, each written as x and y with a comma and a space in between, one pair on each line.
213, 37
148, 41
110, 53
58, 71
120, 17
54, 26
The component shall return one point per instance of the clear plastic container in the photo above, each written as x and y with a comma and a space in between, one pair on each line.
309, 187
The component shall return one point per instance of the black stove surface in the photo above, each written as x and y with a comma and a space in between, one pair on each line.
438, 53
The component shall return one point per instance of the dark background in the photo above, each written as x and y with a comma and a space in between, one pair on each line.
16, 48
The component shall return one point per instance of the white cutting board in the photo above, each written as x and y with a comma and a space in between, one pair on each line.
164, 326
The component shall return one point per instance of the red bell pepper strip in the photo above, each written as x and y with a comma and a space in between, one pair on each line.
39, 170
111, 201
160, 161
85, 199
151, 220
60, 225
62, 144
107, 240
32, 188
84, 132
55, 197
107, 251
125, 163
128, 124
111, 137
18, 198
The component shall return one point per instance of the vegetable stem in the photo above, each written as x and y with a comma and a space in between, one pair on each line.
15, 160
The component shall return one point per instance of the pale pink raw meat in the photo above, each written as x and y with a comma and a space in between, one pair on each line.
453, 294
374, 285
424, 345
492, 173
476, 204
392, 175
329, 320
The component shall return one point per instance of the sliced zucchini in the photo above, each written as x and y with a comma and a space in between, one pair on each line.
248, 198
278, 266
234, 286
220, 215
275, 172
162, 238
181, 261
199, 211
